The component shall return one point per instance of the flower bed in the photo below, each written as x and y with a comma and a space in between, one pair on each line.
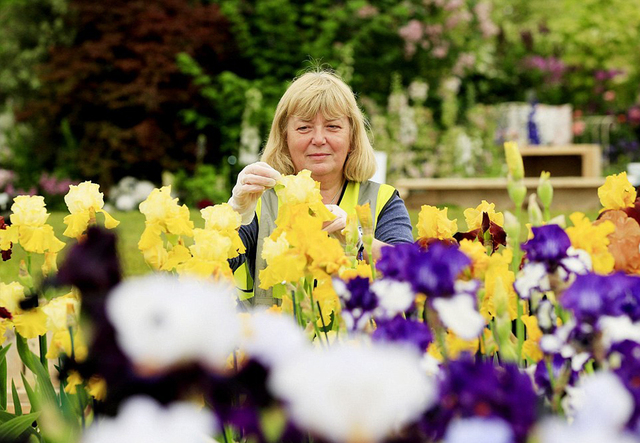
463, 335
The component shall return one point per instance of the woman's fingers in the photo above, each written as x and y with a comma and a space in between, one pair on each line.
339, 223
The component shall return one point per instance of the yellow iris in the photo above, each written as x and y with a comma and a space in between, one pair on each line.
473, 216
617, 192
434, 223
83, 201
531, 346
498, 272
593, 239
29, 228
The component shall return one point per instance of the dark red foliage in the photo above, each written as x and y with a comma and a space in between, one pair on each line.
121, 91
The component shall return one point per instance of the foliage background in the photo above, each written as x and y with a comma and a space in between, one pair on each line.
104, 90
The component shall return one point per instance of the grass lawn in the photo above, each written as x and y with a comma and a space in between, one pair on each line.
129, 231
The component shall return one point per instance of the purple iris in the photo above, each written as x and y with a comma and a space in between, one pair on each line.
396, 261
592, 296
360, 296
629, 373
403, 330
432, 272
437, 270
559, 366
479, 389
358, 302
549, 244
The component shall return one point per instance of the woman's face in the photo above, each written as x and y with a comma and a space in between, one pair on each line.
319, 145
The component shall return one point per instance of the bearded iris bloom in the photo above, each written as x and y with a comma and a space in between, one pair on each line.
83, 201
29, 227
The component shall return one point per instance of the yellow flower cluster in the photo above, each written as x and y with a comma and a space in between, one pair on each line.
164, 216
299, 245
298, 248
212, 245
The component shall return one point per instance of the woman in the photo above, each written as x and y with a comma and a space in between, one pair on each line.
317, 126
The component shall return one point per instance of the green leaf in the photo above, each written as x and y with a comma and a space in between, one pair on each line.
3, 378
6, 416
67, 406
33, 398
44, 385
16, 399
12, 429
25, 353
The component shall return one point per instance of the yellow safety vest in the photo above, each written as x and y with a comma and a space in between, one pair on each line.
376, 194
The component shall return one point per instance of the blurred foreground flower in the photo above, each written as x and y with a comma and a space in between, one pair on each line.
354, 393
163, 321
142, 420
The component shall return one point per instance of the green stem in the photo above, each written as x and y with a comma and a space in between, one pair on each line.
81, 404
43, 351
324, 326
313, 319
546, 214
3, 382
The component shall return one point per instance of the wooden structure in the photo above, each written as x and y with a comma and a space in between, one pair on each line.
576, 174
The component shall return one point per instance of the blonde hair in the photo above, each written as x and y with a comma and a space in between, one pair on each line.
325, 92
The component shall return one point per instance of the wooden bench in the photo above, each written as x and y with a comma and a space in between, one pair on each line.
582, 160
576, 174
570, 193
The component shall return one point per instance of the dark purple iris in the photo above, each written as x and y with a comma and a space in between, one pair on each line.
592, 296
560, 367
403, 330
396, 261
480, 389
436, 270
432, 272
549, 244
361, 297
92, 265
358, 303
629, 373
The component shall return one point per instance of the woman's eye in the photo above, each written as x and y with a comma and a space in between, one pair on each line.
334, 127
303, 128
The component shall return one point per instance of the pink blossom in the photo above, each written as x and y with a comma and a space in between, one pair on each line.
634, 115
458, 17
412, 32
367, 11
453, 4
609, 96
441, 51
434, 30
578, 127
409, 49
464, 62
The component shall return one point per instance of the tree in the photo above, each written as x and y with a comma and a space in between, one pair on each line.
119, 89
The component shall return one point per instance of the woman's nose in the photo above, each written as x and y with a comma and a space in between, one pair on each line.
319, 137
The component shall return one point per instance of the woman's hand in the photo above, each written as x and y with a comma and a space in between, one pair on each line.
253, 180
336, 225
